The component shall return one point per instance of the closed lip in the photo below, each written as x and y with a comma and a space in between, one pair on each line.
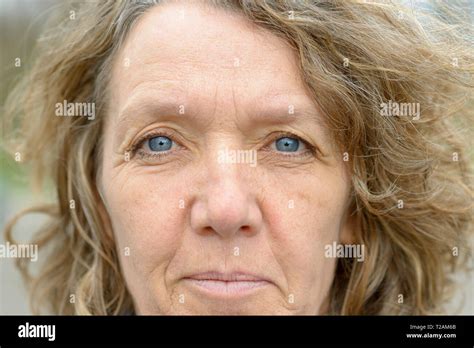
227, 277
227, 285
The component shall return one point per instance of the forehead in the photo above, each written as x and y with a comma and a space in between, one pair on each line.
204, 51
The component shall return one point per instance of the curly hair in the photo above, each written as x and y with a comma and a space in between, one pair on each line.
411, 176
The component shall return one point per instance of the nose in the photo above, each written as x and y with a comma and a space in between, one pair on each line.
227, 206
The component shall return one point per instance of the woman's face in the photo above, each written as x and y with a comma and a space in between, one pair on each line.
220, 181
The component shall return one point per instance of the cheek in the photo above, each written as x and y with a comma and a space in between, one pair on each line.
146, 219
309, 218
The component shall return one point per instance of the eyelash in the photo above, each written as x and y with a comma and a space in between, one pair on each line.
136, 147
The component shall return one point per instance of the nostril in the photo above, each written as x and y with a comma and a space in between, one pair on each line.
208, 230
245, 229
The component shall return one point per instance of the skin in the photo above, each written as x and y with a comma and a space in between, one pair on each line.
229, 85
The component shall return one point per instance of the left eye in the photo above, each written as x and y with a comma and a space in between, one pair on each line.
160, 144
287, 144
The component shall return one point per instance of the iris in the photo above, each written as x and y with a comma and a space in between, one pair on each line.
160, 143
287, 144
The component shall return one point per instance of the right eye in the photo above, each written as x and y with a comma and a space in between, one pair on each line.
155, 145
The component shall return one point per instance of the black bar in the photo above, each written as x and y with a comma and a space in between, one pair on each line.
140, 330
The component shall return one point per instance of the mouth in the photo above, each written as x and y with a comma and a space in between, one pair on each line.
227, 284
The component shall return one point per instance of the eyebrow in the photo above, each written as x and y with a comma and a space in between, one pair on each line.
273, 110
285, 113
268, 110
155, 108
144, 109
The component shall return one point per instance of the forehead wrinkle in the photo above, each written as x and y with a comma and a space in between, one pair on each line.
270, 109
191, 66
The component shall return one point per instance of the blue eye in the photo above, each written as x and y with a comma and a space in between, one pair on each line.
287, 144
160, 143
